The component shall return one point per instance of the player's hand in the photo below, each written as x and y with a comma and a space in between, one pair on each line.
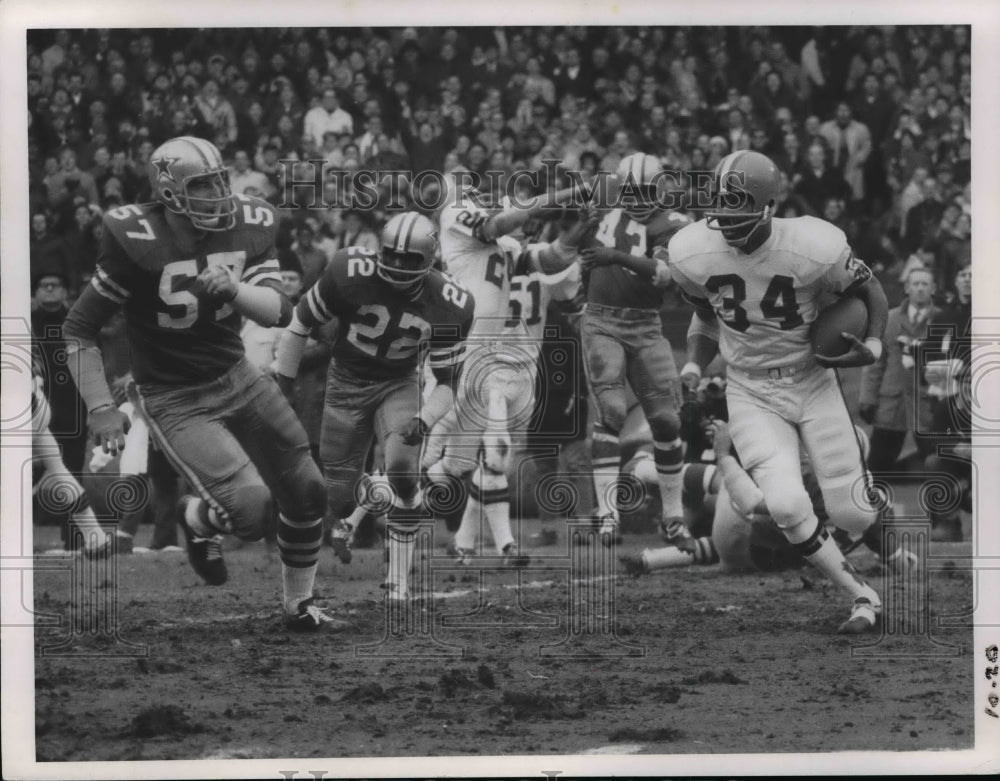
858, 355
721, 440
110, 425
414, 431
691, 377
219, 283
867, 413
598, 256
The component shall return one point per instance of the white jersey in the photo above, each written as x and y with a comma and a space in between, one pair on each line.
766, 300
531, 291
480, 265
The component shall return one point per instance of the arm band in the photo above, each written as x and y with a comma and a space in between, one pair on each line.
290, 348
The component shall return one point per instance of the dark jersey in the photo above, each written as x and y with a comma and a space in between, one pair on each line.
613, 284
383, 332
176, 334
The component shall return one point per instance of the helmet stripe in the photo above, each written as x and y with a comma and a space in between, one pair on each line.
405, 231
194, 142
729, 162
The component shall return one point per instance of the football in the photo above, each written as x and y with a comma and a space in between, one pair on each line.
846, 315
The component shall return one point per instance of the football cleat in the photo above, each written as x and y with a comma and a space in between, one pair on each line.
608, 531
513, 558
100, 549
204, 553
124, 544
676, 533
864, 616
633, 564
463, 556
311, 618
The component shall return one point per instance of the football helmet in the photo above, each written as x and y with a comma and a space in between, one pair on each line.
747, 185
409, 242
639, 174
189, 178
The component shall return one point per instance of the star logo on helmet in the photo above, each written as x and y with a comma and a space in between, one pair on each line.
163, 167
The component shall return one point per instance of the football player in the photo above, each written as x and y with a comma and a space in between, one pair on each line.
623, 340
755, 282
476, 249
391, 305
187, 268
513, 373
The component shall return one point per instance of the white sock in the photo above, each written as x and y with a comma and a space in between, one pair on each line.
669, 460
819, 549
401, 545
297, 585
468, 531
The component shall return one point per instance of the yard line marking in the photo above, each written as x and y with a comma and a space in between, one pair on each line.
619, 748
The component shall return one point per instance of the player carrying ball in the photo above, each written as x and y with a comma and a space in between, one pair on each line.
756, 283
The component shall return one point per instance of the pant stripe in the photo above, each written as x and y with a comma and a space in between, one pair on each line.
178, 462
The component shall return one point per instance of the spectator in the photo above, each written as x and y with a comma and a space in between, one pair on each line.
217, 113
851, 145
893, 398
243, 178
69, 413
327, 116
69, 181
48, 252
818, 182
311, 259
946, 356
357, 233
923, 220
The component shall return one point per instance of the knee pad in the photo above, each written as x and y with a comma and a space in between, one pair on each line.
791, 508
250, 512
849, 509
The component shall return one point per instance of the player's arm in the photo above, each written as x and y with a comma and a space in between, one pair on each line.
556, 256
97, 304
257, 295
317, 307
703, 331
744, 493
514, 216
854, 278
445, 361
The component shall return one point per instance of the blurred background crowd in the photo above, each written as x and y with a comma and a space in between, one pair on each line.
869, 125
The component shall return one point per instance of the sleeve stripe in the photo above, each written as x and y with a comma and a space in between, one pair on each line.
256, 279
105, 290
317, 307
258, 268
114, 286
447, 357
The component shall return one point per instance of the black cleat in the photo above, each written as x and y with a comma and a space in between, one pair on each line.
204, 553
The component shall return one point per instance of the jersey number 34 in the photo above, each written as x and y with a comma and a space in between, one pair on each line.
778, 303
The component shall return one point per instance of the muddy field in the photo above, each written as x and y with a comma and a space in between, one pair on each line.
563, 658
